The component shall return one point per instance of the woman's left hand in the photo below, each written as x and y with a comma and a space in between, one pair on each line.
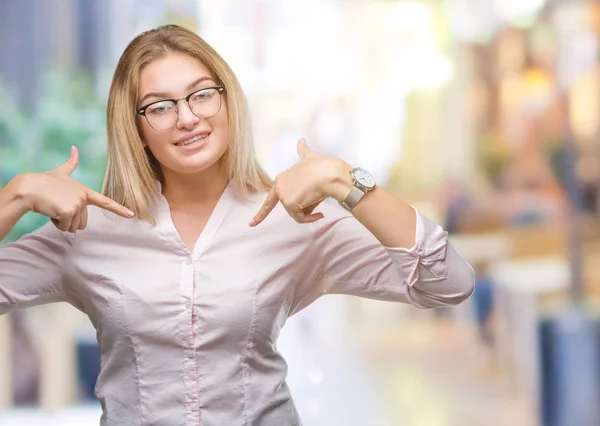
301, 188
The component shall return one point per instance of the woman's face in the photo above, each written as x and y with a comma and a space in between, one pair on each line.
178, 137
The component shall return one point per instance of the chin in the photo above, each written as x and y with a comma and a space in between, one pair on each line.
194, 165
190, 169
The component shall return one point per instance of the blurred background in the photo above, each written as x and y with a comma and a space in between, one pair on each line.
484, 114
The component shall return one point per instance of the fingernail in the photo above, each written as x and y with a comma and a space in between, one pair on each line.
130, 213
252, 222
73, 149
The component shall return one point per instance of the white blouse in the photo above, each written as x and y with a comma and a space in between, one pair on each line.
190, 338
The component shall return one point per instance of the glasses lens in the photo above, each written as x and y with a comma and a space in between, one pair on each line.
205, 103
162, 115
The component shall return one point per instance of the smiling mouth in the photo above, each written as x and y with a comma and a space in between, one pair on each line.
194, 140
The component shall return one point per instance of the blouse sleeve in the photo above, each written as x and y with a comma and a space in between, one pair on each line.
352, 261
31, 269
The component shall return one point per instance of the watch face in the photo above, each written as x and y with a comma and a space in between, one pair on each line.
364, 178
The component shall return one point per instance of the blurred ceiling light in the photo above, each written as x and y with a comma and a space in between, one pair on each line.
435, 71
421, 68
471, 20
410, 14
519, 12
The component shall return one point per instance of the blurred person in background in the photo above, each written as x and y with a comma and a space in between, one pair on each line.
483, 302
192, 259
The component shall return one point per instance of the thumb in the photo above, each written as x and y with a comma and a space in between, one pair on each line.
71, 164
303, 149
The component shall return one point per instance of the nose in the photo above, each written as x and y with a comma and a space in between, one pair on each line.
186, 119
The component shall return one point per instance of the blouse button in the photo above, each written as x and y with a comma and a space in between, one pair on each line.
194, 407
190, 354
188, 260
188, 303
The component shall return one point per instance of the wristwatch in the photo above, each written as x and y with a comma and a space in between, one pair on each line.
362, 182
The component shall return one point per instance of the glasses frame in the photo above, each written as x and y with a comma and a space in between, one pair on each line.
220, 91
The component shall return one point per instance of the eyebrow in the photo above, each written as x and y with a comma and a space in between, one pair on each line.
166, 95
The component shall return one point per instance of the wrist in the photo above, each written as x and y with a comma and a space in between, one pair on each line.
340, 180
18, 194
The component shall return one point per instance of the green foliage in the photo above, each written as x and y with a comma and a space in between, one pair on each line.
68, 112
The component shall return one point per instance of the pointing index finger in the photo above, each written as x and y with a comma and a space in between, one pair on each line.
99, 200
267, 207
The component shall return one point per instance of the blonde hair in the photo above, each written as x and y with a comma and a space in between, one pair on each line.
132, 170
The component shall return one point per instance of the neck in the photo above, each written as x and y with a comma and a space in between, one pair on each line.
184, 191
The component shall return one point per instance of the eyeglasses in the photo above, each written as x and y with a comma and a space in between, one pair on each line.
163, 115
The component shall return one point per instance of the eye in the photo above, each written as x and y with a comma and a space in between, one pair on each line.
203, 95
159, 108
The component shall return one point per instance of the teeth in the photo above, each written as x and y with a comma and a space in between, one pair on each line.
191, 141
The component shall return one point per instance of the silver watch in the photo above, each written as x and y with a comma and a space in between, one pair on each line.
362, 182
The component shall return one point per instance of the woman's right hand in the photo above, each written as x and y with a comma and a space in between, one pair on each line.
56, 195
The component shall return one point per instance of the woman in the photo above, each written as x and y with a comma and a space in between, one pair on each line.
192, 259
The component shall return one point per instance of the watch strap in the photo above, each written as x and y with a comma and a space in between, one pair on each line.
353, 198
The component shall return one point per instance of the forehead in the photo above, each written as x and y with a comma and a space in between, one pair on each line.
171, 74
